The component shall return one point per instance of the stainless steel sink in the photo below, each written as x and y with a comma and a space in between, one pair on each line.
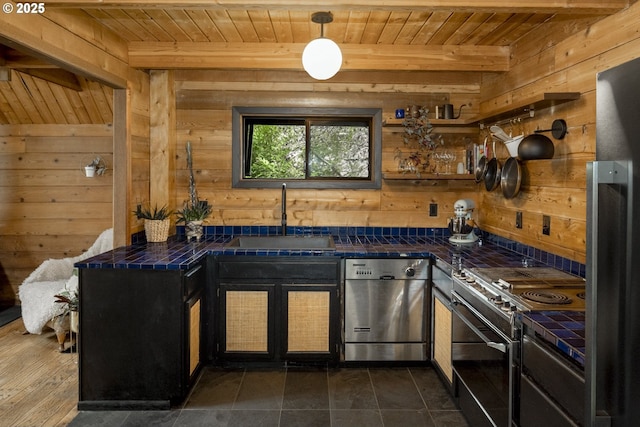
283, 242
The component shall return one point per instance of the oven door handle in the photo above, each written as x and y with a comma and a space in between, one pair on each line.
501, 347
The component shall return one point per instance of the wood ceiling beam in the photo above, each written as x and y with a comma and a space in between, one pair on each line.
57, 76
278, 56
516, 6
16, 59
42, 37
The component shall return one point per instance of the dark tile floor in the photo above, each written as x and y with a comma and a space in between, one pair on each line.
302, 397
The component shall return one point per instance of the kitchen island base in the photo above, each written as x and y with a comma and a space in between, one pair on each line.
139, 344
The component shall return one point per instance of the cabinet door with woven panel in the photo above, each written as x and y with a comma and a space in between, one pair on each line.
310, 319
247, 319
442, 338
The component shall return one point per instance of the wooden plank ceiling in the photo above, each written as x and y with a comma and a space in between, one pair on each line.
456, 35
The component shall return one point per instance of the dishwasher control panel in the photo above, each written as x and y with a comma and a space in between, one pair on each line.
386, 269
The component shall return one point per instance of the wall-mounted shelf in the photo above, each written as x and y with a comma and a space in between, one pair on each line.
427, 176
434, 122
523, 107
439, 182
537, 102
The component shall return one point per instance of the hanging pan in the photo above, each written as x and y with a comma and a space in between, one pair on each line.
511, 178
492, 176
481, 167
535, 146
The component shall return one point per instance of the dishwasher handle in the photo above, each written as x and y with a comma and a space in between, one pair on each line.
388, 277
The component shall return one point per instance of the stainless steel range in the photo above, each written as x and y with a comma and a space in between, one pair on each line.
487, 333
529, 288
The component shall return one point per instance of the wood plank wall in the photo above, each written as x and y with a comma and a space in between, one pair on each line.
204, 102
49, 208
138, 154
552, 62
34, 227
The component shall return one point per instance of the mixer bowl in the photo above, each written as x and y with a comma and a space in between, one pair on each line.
458, 225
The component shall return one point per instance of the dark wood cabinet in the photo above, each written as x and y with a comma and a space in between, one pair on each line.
277, 310
140, 336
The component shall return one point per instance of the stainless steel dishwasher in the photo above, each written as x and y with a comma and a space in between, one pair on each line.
386, 309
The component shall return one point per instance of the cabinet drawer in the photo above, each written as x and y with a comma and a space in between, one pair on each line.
554, 375
280, 269
194, 280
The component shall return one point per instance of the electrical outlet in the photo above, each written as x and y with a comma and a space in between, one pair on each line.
546, 225
519, 219
433, 209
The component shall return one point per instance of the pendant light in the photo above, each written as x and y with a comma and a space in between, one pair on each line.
322, 57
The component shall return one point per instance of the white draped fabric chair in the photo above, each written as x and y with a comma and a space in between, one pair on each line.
53, 276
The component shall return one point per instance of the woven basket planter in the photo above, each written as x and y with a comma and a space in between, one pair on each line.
157, 230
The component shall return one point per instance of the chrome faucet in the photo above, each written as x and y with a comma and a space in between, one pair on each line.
284, 209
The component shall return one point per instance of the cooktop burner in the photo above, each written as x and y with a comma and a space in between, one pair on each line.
528, 277
546, 297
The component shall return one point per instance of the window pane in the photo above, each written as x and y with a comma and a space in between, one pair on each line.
276, 151
339, 150
306, 147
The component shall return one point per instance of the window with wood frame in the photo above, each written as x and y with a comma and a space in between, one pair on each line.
306, 147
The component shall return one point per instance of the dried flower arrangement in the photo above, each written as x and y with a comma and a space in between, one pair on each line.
418, 130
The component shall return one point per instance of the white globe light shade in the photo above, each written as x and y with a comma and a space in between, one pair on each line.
322, 58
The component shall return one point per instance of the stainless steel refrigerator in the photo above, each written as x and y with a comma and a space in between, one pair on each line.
613, 253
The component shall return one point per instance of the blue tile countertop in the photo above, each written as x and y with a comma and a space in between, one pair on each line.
178, 254
565, 330
562, 329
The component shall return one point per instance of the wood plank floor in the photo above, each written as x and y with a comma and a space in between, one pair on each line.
38, 385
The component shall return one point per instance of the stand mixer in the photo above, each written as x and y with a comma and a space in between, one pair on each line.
461, 225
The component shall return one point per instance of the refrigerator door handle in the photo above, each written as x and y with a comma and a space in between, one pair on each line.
611, 172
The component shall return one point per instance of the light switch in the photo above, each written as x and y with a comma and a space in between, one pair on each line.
546, 224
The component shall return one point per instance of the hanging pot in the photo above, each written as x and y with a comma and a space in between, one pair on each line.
492, 176
481, 168
535, 146
511, 178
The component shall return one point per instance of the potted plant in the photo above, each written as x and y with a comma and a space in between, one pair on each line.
66, 319
195, 211
96, 167
70, 301
156, 222
193, 215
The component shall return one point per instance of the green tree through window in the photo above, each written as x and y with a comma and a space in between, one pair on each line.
340, 149
277, 151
